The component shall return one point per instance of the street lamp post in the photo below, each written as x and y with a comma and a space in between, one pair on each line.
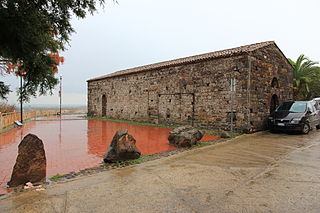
21, 109
60, 93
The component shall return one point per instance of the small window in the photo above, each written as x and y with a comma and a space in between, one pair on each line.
233, 116
275, 83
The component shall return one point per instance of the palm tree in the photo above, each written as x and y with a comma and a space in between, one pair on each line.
304, 72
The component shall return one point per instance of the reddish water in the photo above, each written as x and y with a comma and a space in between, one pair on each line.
72, 145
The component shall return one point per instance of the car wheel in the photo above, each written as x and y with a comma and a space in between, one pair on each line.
273, 131
318, 126
305, 128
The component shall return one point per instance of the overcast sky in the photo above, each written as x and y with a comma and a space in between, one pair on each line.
140, 32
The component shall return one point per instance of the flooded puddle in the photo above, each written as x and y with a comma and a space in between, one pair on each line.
73, 145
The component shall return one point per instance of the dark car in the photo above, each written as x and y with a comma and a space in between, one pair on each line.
317, 100
295, 115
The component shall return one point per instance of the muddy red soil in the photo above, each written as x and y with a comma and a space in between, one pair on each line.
72, 145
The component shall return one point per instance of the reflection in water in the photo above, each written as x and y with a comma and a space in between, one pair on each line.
150, 140
9, 142
72, 145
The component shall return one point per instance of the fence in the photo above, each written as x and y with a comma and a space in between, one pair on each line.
7, 119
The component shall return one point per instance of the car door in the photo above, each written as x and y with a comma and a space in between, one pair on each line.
311, 110
317, 109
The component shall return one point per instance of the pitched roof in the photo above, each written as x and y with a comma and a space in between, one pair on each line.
218, 54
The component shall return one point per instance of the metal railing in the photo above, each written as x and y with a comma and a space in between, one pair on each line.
7, 119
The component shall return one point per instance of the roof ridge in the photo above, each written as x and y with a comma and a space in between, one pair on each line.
189, 59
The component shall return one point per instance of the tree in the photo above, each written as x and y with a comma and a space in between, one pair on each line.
4, 90
314, 88
30, 31
305, 74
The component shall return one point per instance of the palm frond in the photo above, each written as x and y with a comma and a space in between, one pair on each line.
305, 72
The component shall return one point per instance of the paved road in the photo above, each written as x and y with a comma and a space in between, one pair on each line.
263, 172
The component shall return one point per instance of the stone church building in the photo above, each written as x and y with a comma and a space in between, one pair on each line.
228, 89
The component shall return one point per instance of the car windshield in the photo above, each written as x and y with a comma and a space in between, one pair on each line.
294, 107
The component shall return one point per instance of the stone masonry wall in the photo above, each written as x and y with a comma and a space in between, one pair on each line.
199, 91
268, 64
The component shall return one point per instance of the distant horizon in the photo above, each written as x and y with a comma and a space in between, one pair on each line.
51, 106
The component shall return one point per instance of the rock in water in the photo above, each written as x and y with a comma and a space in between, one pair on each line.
31, 162
185, 136
122, 147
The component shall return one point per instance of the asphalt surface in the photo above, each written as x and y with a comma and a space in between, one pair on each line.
262, 172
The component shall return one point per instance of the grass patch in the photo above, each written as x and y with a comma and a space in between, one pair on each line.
210, 132
206, 131
235, 134
116, 164
202, 143
56, 177
126, 162
133, 122
136, 161
217, 133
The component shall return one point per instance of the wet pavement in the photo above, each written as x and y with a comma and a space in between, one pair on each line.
74, 143
263, 172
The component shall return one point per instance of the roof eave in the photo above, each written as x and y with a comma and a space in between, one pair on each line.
172, 65
189, 60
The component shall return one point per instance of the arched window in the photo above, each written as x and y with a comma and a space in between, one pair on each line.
275, 83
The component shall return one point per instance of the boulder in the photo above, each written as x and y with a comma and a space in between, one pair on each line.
224, 134
31, 162
122, 147
185, 136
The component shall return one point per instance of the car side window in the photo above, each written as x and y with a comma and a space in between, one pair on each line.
315, 105
310, 108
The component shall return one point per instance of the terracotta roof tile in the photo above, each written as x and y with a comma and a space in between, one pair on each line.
217, 54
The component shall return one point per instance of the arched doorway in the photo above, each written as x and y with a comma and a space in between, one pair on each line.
104, 106
274, 103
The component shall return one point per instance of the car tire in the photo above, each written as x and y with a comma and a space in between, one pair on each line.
318, 126
305, 128
274, 131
